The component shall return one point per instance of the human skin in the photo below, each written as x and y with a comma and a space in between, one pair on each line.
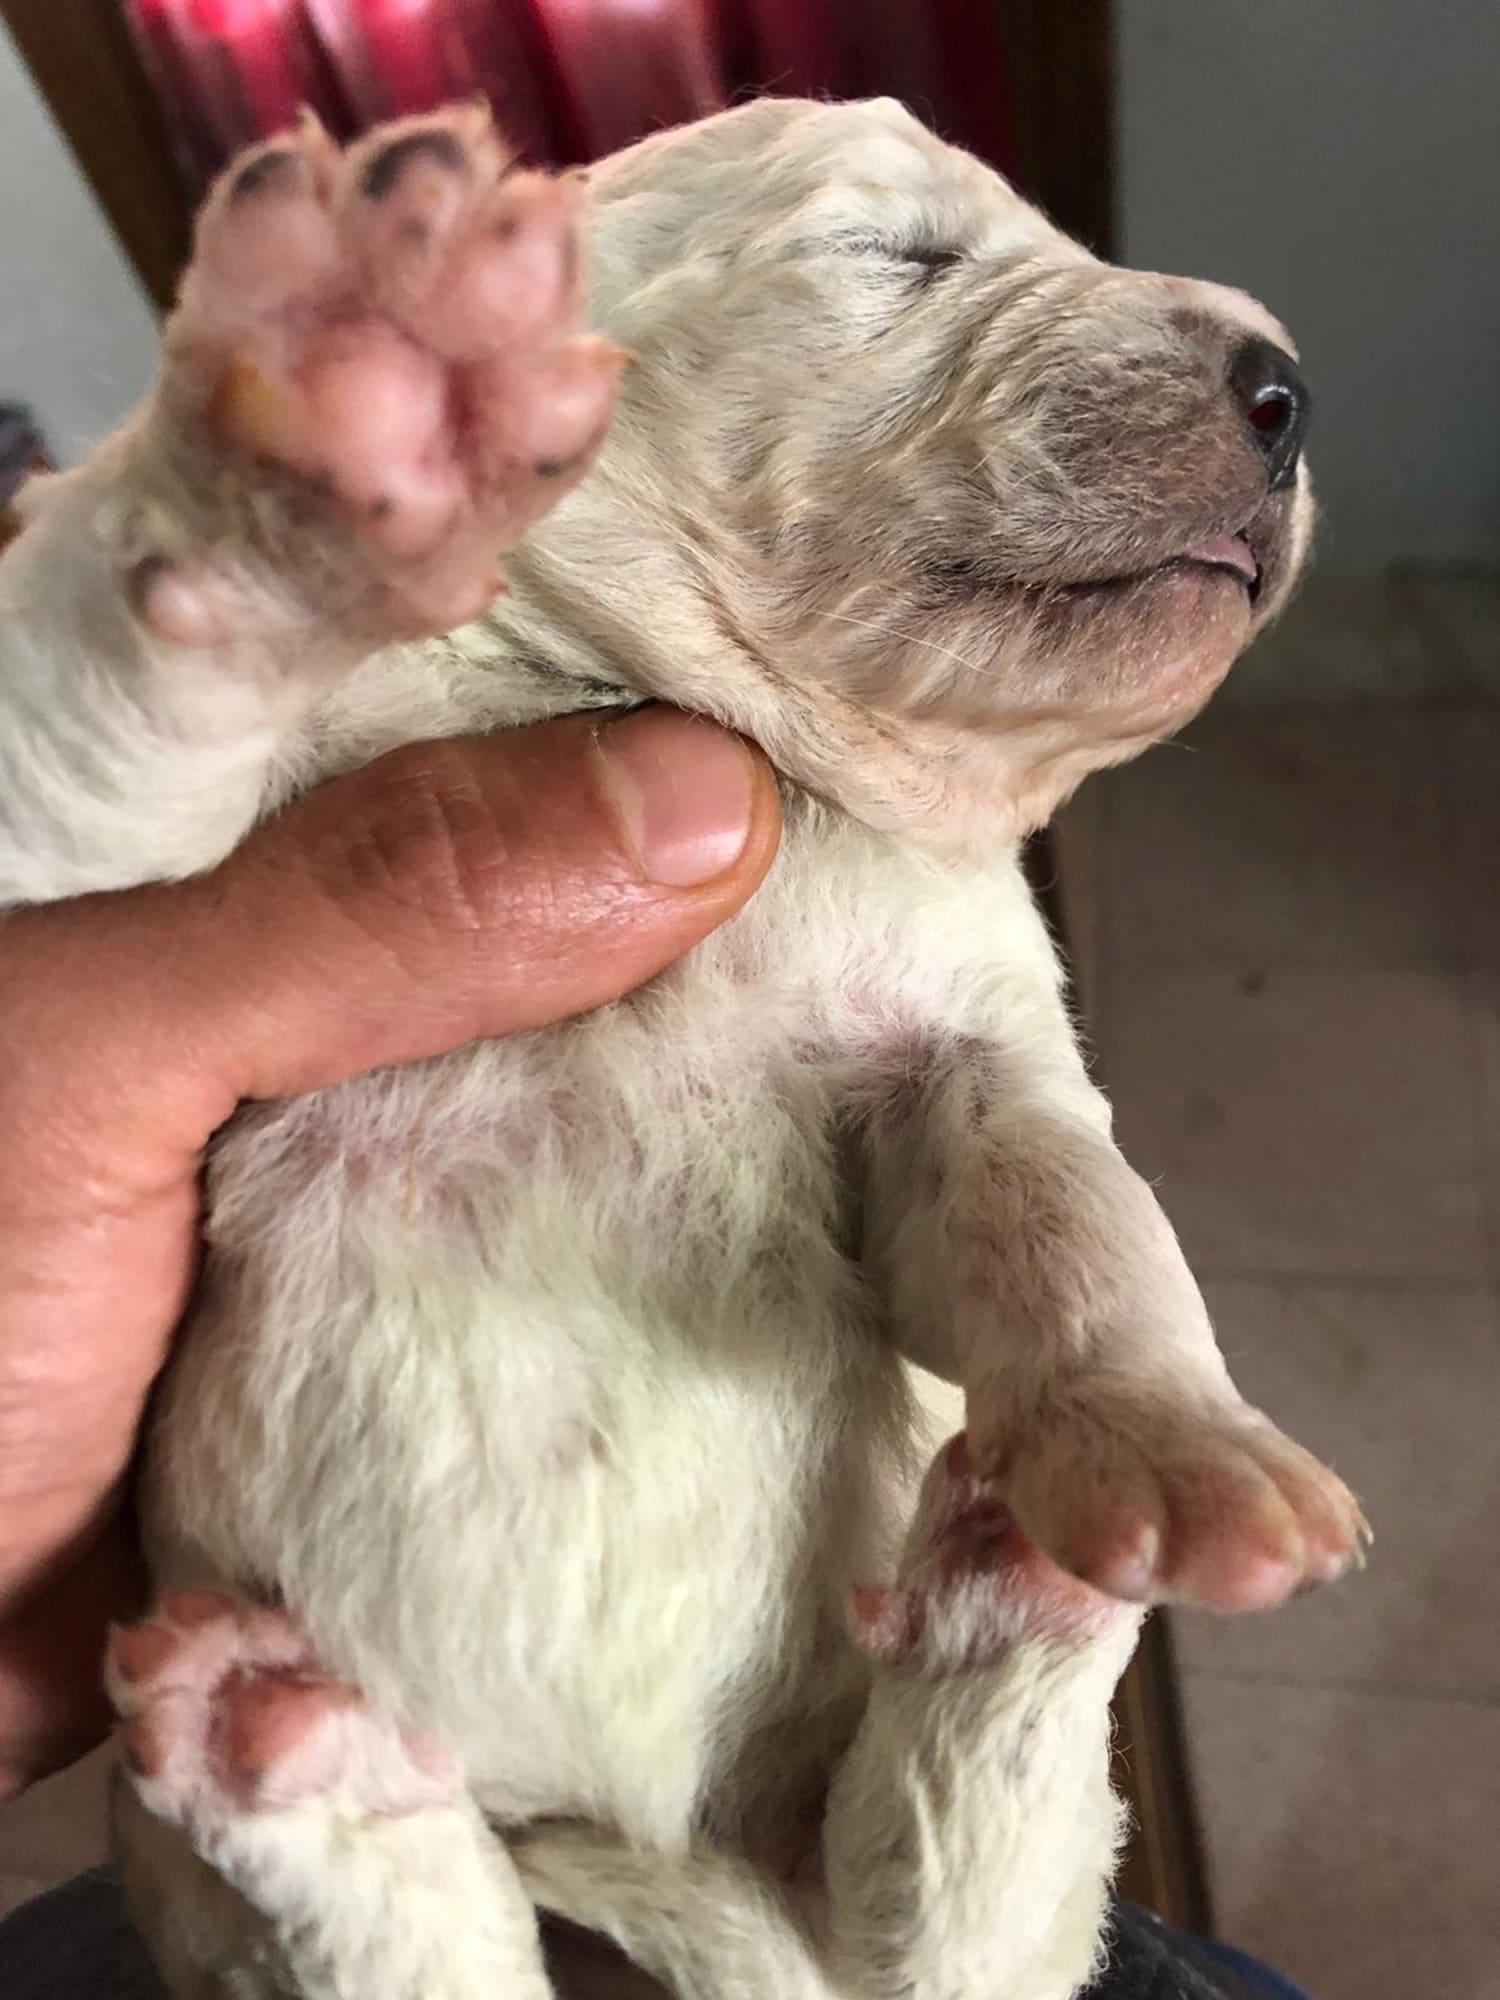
449, 891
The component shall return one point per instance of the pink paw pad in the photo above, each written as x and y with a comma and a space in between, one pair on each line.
395, 329
225, 1709
971, 1585
1209, 1506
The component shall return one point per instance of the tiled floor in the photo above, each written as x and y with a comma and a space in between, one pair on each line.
1291, 959
54, 1831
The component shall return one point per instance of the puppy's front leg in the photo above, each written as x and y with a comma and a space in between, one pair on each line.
1024, 1258
371, 386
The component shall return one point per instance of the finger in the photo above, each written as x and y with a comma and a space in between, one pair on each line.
476, 888
450, 890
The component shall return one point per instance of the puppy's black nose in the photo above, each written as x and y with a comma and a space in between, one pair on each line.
1276, 404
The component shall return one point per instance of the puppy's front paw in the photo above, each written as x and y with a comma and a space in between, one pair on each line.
972, 1586
225, 1709
382, 349
1152, 1499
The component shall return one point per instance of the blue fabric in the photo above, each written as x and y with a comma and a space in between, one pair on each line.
1259, 1978
1148, 1960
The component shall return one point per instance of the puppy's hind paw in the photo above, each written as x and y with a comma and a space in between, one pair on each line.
972, 1586
226, 1710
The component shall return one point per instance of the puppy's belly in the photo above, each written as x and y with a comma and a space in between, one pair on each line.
587, 1526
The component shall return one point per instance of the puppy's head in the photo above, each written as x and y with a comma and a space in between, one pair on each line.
943, 509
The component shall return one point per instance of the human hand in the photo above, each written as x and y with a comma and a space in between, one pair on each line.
449, 891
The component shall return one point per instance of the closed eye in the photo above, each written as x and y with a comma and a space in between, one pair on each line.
925, 256
931, 256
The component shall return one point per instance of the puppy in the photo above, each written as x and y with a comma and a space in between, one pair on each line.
531, 1488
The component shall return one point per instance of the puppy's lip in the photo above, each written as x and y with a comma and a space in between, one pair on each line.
1222, 555
1231, 552
1226, 555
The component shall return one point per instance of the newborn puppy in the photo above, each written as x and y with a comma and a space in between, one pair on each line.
531, 1486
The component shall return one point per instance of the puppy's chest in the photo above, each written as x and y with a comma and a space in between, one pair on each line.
690, 1138
692, 1133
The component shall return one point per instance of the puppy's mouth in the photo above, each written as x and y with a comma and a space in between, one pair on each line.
1199, 573
1229, 555
1250, 558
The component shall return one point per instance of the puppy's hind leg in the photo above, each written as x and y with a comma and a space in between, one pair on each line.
971, 1830
281, 1839
706, 1924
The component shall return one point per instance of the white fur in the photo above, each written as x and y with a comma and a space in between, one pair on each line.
556, 1386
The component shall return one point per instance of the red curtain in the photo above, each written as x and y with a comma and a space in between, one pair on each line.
569, 79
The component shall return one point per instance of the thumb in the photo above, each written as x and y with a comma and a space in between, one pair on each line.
465, 888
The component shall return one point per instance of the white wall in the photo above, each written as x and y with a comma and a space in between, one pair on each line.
1341, 158
77, 331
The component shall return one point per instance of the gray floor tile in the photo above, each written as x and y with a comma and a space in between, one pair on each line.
1305, 1123
1305, 1055
1351, 1837
58, 1827
1396, 1387
1312, 835
1484, 1026
1469, 745
16, 1890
